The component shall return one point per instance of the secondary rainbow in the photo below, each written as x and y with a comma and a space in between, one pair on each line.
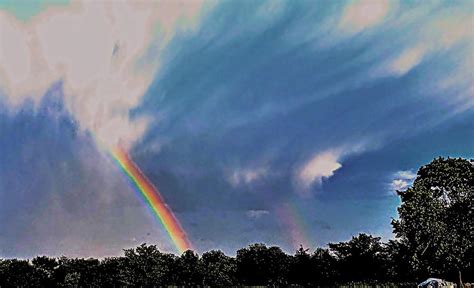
153, 198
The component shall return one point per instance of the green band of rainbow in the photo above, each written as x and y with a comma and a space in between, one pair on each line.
154, 200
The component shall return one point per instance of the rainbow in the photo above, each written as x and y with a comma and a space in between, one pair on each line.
153, 198
293, 225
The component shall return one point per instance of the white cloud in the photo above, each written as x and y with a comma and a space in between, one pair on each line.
441, 34
406, 174
402, 180
362, 14
97, 49
322, 165
399, 184
255, 214
247, 176
407, 60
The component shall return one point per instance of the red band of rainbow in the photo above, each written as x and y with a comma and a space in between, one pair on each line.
154, 199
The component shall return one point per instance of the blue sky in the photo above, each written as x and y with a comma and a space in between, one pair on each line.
233, 110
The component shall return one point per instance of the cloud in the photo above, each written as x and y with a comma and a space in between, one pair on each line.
442, 33
247, 176
363, 14
406, 174
407, 60
106, 54
399, 184
322, 165
402, 180
255, 214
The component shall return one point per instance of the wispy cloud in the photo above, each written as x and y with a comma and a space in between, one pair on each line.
363, 14
101, 52
407, 60
255, 214
247, 176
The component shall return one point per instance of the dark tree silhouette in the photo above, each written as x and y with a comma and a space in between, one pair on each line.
260, 265
325, 270
17, 273
188, 270
112, 272
78, 272
147, 267
300, 269
218, 269
360, 259
45, 270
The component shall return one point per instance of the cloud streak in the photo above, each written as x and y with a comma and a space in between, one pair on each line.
364, 14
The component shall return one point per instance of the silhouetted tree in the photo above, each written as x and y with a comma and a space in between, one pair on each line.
360, 259
324, 268
300, 268
188, 270
259, 265
78, 272
112, 272
218, 269
45, 268
146, 266
437, 219
17, 273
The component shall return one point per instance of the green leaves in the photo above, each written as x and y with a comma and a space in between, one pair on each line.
436, 217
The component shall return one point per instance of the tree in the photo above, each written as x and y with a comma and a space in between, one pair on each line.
189, 270
78, 272
397, 263
146, 266
45, 270
259, 265
324, 268
436, 219
360, 259
112, 272
301, 270
17, 273
218, 269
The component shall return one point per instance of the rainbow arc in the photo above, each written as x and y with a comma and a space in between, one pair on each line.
153, 198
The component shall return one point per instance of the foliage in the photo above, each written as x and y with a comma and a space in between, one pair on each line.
436, 223
360, 259
260, 265
218, 269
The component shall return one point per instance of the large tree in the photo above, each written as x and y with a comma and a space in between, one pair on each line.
436, 219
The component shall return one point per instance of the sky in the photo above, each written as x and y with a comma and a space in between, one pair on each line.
283, 122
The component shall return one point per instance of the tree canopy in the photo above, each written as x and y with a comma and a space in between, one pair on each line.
436, 218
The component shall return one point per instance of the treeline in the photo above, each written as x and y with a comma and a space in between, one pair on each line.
363, 259
434, 238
